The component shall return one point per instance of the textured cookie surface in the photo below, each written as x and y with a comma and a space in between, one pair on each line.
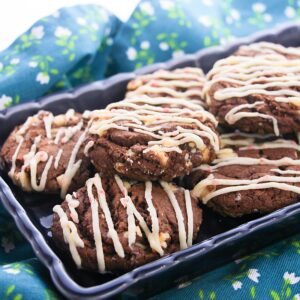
152, 139
249, 177
46, 153
113, 225
185, 83
257, 89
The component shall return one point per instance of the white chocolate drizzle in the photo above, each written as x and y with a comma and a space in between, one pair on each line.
148, 116
179, 216
70, 233
96, 182
164, 82
269, 73
48, 124
73, 166
14, 158
33, 158
152, 239
190, 218
235, 115
87, 147
57, 158
97, 197
72, 204
39, 157
283, 179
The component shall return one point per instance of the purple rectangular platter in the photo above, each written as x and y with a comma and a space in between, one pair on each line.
221, 239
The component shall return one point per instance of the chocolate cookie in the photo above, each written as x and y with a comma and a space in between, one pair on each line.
249, 177
152, 139
113, 225
257, 89
46, 153
185, 83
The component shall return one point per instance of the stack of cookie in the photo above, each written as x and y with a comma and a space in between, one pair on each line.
115, 168
257, 91
118, 164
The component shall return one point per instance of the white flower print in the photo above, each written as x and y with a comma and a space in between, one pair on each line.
237, 285
163, 46
178, 53
32, 64
11, 271
235, 15
131, 53
14, 61
184, 284
296, 297
1, 66
42, 78
62, 32
107, 31
166, 4
109, 41
147, 8
223, 41
253, 275
205, 21
291, 278
95, 26
7, 244
268, 18
4, 101
258, 7
37, 32
81, 21
145, 45
289, 12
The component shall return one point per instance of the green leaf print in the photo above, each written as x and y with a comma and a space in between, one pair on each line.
253, 292
210, 296
176, 11
274, 295
142, 18
9, 290
50, 295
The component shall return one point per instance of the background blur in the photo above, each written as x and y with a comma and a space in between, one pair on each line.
17, 16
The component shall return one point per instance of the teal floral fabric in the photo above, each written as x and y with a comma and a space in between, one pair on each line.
81, 44
68, 48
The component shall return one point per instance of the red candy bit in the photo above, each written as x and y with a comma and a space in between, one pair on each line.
74, 217
264, 178
154, 84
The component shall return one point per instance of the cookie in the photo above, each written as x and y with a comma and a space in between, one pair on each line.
152, 139
185, 83
111, 225
46, 153
257, 89
249, 177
